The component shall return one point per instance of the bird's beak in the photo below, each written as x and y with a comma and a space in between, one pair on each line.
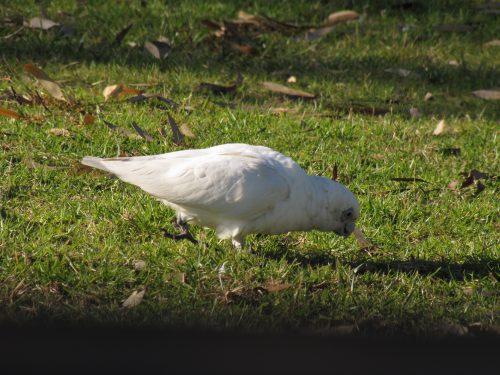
346, 230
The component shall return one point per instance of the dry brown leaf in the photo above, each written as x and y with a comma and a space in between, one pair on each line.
362, 241
453, 185
342, 16
119, 37
112, 91
45, 81
221, 89
129, 91
399, 72
487, 94
158, 48
273, 287
184, 129
134, 299
139, 264
281, 89
8, 113
180, 277
40, 23
335, 173
60, 132
439, 128
280, 110
492, 43
428, 97
244, 49
408, 179
144, 134
177, 135
88, 119
319, 32
122, 131
415, 113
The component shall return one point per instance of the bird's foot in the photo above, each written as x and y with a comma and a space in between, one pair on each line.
184, 233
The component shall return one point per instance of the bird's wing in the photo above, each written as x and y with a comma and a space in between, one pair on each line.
233, 184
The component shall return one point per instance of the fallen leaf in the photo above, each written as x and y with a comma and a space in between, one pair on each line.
335, 173
8, 113
216, 89
487, 94
134, 299
492, 43
439, 128
273, 287
145, 96
184, 129
362, 241
178, 137
399, 72
119, 37
112, 91
408, 179
122, 131
244, 49
281, 89
45, 81
126, 215
40, 23
415, 113
468, 290
428, 97
88, 119
315, 33
144, 134
157, 48
220, 89
139, 264
180, 277
342, 16
280, 110
453, 185
60, 132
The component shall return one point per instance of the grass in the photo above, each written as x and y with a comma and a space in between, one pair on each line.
69, 237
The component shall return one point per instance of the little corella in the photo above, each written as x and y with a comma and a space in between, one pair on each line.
238, 189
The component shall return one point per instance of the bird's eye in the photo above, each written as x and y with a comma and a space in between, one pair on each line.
348, 214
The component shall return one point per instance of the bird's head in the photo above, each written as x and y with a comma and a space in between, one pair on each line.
341, 208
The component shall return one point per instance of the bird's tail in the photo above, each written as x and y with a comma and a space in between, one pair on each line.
94, 162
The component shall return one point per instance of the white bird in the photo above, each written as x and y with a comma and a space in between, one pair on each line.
238, 189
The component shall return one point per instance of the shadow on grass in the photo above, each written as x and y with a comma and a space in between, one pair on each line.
283, 55
437, 269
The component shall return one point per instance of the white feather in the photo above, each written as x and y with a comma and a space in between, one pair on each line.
238, 189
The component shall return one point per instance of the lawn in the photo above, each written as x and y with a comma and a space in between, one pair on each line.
75, 243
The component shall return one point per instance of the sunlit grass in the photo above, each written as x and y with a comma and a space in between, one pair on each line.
70, 237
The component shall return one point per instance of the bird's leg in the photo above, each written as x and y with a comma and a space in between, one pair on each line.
184, 231
238, 243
